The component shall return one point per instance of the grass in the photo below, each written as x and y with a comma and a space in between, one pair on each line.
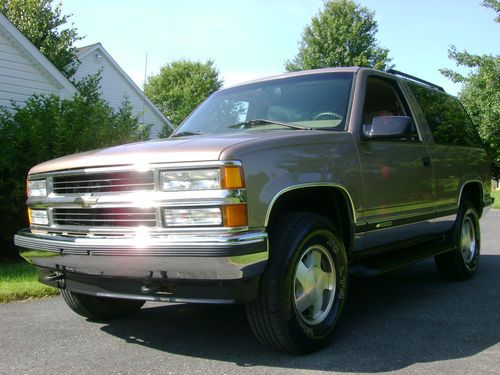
19, 280
496, 195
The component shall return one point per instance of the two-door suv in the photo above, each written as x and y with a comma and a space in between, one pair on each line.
271, 193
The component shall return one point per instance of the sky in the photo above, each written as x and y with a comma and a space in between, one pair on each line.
254, 38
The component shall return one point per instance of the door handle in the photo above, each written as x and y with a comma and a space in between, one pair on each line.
426, 161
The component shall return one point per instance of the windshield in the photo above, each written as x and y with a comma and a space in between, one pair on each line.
318, 101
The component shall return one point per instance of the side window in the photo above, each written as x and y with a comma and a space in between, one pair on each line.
447, 119
381, 99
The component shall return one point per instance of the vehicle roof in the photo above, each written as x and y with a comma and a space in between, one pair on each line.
349, 69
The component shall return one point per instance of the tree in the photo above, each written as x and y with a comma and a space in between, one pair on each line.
480, 93
44, 25
495, 5
343, 34
181, 86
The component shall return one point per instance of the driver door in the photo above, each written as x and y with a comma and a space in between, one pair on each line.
397, 173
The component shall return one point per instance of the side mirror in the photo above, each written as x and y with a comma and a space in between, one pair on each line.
390, 127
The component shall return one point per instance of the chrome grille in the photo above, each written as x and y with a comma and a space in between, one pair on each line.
105, 217
103, 182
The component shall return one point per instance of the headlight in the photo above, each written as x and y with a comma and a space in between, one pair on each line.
38, 217
181, 217
37, 188
196, 179
227, 177
232, 215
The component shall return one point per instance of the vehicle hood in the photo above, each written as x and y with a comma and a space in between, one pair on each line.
186, 149
170, 150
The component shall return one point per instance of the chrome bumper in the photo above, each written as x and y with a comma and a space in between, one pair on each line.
209, 260
166, 245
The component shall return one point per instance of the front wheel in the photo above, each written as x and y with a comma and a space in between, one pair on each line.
462, 262
303, 289
100, 308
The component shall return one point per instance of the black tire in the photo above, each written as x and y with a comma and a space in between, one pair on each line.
462, 262
286, 316
100, 308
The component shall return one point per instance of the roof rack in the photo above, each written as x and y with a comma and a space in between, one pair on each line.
413, 78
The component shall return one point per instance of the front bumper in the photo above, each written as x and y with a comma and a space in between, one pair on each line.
210, 268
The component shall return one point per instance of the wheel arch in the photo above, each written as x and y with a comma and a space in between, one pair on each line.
473, 190
329, 200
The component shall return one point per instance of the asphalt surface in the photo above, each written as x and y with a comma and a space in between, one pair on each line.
408, 322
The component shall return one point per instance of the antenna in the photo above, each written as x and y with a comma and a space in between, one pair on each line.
144, 87
145, 72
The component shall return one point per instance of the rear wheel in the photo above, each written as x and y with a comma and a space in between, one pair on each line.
462, 262
303, 289
100, 308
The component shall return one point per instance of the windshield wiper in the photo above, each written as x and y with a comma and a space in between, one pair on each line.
259, 122
186, 133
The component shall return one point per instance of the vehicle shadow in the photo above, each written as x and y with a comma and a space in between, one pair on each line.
393, 321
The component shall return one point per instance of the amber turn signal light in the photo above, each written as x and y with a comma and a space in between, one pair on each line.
235, 215
232, 177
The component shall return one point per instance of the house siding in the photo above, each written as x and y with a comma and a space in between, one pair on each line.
20, 76
115, 88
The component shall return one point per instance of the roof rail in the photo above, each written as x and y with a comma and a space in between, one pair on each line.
413, 78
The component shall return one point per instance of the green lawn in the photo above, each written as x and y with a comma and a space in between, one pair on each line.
496, 195
18, 280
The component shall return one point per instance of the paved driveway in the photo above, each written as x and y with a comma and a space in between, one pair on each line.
409, 322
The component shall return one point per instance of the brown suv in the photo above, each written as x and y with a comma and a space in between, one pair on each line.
270, 194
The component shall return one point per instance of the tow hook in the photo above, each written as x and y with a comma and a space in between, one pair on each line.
154, 285
57, 277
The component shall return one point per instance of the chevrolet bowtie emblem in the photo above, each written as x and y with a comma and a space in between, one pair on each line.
86, 201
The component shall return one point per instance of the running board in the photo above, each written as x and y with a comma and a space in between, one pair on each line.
379, 264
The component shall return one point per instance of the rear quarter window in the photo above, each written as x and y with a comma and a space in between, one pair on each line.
446, 117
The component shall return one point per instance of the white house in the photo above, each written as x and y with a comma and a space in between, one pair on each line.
24, 70
117, 85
